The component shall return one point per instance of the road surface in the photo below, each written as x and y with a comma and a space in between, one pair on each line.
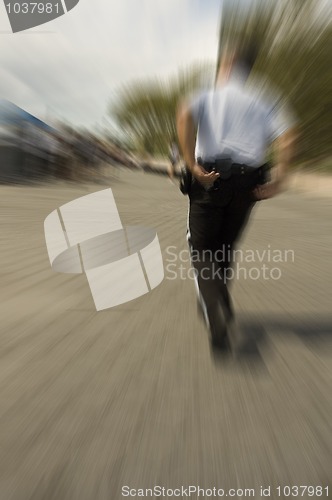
92, 402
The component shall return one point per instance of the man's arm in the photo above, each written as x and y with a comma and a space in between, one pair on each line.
284, 147
284, 153
187, 130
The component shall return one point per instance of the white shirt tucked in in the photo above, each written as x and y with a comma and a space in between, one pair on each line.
236, 123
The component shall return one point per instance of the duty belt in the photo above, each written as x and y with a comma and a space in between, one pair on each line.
226, 168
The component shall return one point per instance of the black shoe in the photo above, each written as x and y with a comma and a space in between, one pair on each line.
220, 350
222, 345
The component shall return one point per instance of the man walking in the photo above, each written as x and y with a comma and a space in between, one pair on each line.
224, 134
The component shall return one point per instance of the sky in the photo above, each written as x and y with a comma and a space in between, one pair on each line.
72, 67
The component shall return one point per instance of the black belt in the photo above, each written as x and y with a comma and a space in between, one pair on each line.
226, 168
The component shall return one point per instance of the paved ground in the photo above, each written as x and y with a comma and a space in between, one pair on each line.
91, 402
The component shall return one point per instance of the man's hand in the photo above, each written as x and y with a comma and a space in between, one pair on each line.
202, 176
265, 191
284, 147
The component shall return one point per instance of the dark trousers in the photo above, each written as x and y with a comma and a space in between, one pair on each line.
216, 220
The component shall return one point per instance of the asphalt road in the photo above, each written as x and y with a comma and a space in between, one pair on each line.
92, 402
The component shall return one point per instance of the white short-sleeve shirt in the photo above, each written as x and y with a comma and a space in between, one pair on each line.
236, 123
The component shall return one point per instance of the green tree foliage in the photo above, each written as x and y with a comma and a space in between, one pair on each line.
145, 110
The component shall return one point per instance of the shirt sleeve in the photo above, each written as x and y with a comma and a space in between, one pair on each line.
280, 118
196, 106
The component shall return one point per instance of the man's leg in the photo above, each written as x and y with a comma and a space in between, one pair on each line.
214, 228
237, 214
204, 227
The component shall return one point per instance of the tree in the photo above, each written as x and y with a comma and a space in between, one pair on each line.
145, 110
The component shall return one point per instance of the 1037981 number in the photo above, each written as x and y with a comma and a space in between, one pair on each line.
32, 8
300, 491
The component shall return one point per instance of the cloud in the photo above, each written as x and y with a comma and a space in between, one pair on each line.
72, 70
